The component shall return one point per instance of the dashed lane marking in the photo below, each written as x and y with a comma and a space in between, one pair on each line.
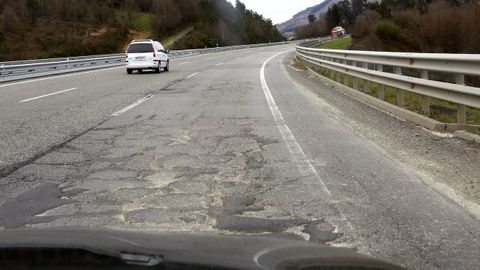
47, 95
59, 76
193, 75
133, 105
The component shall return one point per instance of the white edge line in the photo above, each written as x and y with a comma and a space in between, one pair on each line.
261, 253
47, 95
193, 75
59, 76
298, 155
133, 105
183, 63
296, 151
219, 64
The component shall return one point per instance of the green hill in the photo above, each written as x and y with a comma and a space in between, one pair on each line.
43, 28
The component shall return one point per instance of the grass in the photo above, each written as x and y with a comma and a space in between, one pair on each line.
440, 110
141, 21
337, 44
170, 41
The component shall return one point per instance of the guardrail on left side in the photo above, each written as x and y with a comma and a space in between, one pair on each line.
10, 72
18, 70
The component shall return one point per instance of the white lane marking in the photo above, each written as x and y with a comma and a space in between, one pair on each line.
261, 253
183, 63
58, 76
47, 95
299, 157
304, 165
193, 75
219, 64
133, 105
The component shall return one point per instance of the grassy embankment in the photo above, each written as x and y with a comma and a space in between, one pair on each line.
337, 44
142, 24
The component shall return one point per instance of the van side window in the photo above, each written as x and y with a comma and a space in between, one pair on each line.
160, 47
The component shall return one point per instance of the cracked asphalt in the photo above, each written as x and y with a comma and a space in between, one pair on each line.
204, 154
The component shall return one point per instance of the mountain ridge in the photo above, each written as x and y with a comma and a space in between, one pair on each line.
287, 28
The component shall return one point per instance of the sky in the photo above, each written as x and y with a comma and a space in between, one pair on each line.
278, 10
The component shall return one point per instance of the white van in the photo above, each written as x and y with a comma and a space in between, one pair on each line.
147, 54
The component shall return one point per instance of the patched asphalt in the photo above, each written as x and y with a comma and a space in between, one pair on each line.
205, 155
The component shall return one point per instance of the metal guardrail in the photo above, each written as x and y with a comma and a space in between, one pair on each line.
15, 70
385, 68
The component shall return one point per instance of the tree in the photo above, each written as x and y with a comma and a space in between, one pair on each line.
315, 29
79, 27
3, 46
346, 12
11, 22
333, 16
312, 18
33, 7
240, 7
358, 7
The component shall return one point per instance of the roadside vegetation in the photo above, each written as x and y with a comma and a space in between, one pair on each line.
440, 110
140, 21
43, 28
433, 26
337, 44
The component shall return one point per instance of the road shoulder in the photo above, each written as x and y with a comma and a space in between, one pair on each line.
447, 164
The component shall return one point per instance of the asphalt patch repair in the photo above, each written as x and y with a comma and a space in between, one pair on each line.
23, 209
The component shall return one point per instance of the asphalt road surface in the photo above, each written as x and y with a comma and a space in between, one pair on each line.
224, 143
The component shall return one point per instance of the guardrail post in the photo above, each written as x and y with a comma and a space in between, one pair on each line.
400, 93
365, 82
343, 76
381, 87
355, 80
461, 109
425, 99
337, 74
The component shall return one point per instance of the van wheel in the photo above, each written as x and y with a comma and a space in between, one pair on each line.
129, 71
167, 67
157, 69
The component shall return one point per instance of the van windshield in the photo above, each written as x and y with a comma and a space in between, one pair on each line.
140, 48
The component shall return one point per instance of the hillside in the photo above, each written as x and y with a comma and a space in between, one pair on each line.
439, 27
287, 28
42, 28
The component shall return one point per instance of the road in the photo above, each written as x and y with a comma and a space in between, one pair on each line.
226, 143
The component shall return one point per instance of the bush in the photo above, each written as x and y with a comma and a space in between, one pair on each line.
443, 28
3, 47
387, 30
364, 23
315, 29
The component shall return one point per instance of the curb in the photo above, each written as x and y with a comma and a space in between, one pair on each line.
467, 136
416, 118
